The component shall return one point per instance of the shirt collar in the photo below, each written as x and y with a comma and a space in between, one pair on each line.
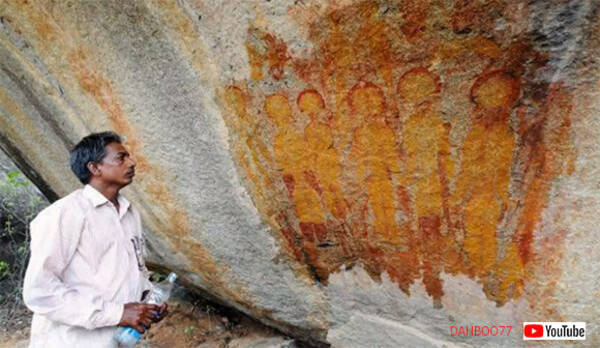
123, 204
98, 198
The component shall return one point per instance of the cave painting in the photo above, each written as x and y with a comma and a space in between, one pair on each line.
294, 159
323, 159
426, 149
251, 149
429, 168
482, 196
375, 152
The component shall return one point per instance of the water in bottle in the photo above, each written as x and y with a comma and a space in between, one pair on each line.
128, 336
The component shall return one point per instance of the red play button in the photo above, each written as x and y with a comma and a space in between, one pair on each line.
533, 330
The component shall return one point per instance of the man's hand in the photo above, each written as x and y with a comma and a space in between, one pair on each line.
139, 315
162, 312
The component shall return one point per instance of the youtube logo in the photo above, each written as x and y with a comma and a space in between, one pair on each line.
554, 331
533, 330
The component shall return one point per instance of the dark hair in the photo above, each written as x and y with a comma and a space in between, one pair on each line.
90, 149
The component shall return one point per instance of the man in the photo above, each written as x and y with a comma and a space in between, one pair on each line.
86, 270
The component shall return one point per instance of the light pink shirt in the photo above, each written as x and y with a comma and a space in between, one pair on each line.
86, 262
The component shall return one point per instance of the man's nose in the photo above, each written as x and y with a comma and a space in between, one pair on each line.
132, 160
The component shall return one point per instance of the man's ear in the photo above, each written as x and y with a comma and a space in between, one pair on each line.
94, 169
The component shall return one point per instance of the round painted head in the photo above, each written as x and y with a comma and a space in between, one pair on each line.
417, 85
310, 102
366, 100
496, 89
278, 109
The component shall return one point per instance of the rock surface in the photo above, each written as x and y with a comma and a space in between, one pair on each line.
350, 172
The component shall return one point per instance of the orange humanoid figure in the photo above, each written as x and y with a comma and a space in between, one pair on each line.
482, 195
428, 168
323, 157
375, 153
324, 161
251, 151
292, 159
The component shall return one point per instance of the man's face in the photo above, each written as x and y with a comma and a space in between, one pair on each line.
116, 167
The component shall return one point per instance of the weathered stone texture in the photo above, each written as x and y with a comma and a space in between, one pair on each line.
359, 173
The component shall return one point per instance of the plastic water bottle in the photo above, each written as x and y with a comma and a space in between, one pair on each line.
128, 336
161, 291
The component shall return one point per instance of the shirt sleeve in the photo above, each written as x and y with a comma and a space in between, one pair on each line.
54, 238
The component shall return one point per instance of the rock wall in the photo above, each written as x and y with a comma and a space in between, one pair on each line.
359, 173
